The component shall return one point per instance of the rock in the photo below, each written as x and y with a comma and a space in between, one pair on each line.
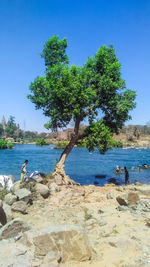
100, 176
13, 228
128, 199
38, 179
148, 223
137, 183
23, 194
51, 258
145, 192
15, 187
19, 206
68, 241
42, 189
112, 180
53, 187
142, 206
110, 195
122, 208
3, 218
10, 199
8, 212
90, 222
102, 223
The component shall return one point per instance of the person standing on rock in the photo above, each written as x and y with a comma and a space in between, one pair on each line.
23, 170
126, 175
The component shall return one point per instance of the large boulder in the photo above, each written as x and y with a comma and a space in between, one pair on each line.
38, 179
8, 211
19, 206
23, 194
128, 199
15, 186
13, 228
70, 242
42, 189
10, 199
53, 187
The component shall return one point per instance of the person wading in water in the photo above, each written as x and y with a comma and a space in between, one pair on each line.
126, 175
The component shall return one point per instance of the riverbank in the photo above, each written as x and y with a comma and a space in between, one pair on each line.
80, 226
82, 166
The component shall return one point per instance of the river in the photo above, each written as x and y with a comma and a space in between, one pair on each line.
81, 164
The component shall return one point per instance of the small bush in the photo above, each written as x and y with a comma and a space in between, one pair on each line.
3, 144
117, 144
41, 142
10, 145
81, 143
61, 144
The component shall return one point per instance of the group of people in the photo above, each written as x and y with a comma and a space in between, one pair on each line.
119, 171
126, 172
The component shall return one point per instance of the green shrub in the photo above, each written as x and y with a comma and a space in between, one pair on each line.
61, 144
117, 144
3, 144
81, 143
10, 145
41, 142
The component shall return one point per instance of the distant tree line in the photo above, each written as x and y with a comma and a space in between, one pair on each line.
13, 130
136, 130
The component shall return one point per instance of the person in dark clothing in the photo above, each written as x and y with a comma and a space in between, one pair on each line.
126, 175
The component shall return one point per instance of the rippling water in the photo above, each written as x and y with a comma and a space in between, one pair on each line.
81, 165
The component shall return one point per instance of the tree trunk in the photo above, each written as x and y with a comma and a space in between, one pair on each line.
60, 167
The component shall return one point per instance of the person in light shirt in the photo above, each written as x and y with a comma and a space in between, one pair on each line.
23, 170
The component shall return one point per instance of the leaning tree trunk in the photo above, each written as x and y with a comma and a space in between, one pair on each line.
59, 173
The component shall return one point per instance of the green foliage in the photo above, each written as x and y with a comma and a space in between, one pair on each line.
117, 144
81, 143
11, 127
41, 142
1, 129
3, 144
95, 91
10, 145
61, 144
98, 135
115, 232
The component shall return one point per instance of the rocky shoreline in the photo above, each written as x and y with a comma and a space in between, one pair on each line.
48, 224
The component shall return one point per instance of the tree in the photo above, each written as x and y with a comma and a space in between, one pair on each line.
11, 127
1, 129
95, 92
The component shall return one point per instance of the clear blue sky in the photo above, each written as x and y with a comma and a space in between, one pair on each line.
25, 25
